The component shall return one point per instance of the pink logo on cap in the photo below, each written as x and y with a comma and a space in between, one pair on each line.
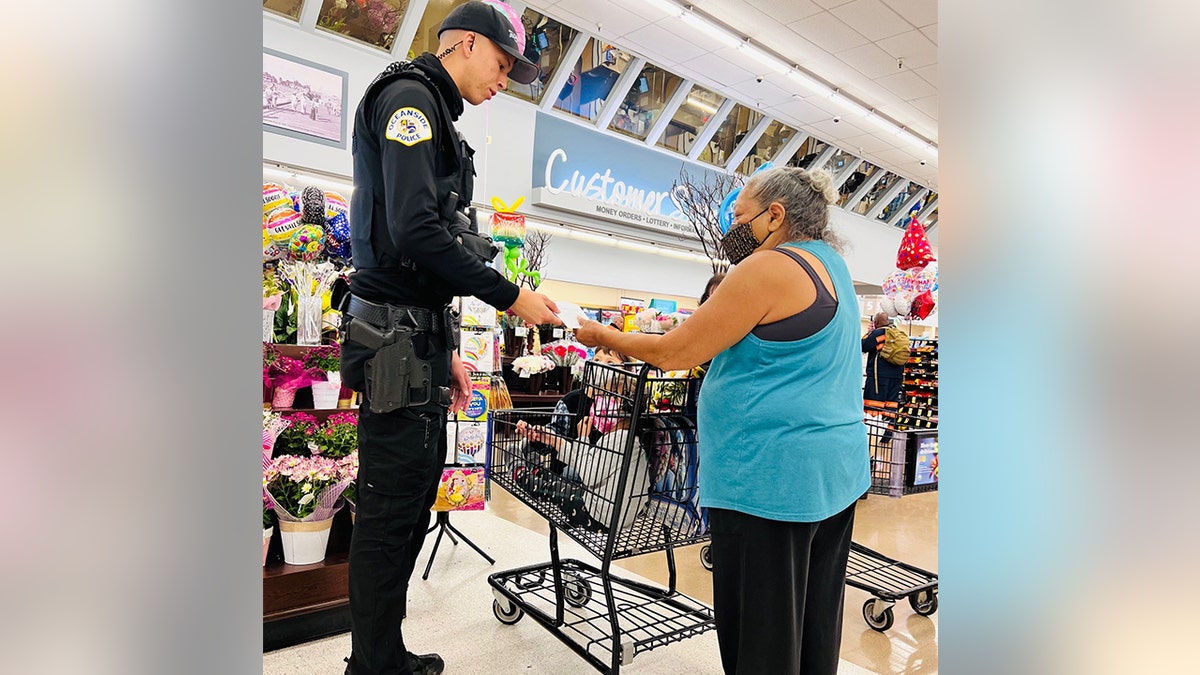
514, 19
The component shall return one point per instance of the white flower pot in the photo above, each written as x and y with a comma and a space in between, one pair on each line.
304, 543
325, 395
335, 377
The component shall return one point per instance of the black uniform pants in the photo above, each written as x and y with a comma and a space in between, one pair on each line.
400, 456
778, 589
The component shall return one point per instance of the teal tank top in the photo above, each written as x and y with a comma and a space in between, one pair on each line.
781, 423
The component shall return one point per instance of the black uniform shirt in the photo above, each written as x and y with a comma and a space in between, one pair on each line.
402, 152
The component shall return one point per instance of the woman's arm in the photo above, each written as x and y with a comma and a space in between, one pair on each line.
735, 308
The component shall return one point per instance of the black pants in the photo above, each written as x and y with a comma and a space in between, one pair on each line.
778, 589
400, 455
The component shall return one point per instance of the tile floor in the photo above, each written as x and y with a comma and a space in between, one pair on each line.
904, 529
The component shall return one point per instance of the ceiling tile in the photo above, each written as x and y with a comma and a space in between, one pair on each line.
917, 12
907, 85
872, 18
899, 155
870, 60
828, 32
614, 21
646, 10
787, 11
653, 39
799, 111
785, 42
927, 105
719, 66
929, 73
870, 143
767, 92
916, 49
931, 32
839, 131
830, 4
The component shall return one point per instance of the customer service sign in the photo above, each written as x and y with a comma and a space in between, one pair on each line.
593, 174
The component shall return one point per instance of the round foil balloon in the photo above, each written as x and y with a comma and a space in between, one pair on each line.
338, 228
274, 197
270, 250
294, 196
903, 306
892, 283
335, 204
307, 243
282, 223
337, 249
888, 306
312, 210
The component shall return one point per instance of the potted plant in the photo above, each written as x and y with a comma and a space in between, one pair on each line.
305, 493
272, 297
338, 437
532, 367
268, 530
299, 437
325, 363
286, 375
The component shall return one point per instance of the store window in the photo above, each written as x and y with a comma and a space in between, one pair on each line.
808, 153
426, 39
372, 22
289, 8
931, 220
591, 82
740, 121
645, 101
862, 174
877, 191
899, 201
766, 147
691, 118
546, 40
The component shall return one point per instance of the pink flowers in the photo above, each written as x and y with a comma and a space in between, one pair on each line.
303, 487
565, 352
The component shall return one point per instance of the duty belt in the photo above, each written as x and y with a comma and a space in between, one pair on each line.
395, 316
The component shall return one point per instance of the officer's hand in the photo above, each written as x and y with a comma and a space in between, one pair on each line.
460, 384
535, 308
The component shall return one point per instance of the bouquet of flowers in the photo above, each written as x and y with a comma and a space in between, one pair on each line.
338, 437
532, 364
349, 467
300, 436
304, 488
272, 291
652, 321
266, 511
284, 372
566, 353
273, 425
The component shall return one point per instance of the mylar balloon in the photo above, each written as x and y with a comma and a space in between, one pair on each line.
307, 243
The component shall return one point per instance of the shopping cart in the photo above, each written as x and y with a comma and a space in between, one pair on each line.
903, 461
626, 492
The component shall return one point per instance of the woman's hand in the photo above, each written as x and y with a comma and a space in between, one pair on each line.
589, 332
460, 384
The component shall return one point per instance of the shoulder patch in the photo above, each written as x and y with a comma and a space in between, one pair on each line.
409, 126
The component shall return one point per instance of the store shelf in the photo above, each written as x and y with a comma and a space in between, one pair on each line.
291, 591
321, 414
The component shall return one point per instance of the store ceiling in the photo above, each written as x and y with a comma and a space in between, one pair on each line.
854, 45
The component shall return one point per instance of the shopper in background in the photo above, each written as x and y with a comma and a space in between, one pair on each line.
571, 411
882, 387
711, 287
782, 442
414, 250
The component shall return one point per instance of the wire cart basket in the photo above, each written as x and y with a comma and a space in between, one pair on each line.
903, 445
626, 486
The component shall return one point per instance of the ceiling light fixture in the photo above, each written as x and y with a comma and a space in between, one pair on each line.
775, 64
712, 30
667, 6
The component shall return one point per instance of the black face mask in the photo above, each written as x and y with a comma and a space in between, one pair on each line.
739, 242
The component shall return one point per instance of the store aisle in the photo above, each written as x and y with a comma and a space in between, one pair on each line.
451, 613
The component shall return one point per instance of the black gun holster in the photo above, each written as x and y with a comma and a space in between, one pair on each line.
395, 376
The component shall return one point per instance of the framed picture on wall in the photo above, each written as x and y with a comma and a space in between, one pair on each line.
304, 100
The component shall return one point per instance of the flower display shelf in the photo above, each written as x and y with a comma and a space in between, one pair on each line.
307, 602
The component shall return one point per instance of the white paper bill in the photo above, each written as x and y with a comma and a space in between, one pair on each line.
570, 314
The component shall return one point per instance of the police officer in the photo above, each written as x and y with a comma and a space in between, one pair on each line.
414, 249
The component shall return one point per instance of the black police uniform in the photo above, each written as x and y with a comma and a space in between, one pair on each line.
407, 160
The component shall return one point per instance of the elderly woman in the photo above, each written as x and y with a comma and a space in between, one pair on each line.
782, 442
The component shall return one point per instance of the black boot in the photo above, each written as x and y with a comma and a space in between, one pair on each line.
426, 664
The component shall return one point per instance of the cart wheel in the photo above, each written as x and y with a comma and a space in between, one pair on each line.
923, 602
576, 590
706, 557
884, 621
509, 617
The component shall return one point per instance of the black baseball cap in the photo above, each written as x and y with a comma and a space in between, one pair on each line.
491, 22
